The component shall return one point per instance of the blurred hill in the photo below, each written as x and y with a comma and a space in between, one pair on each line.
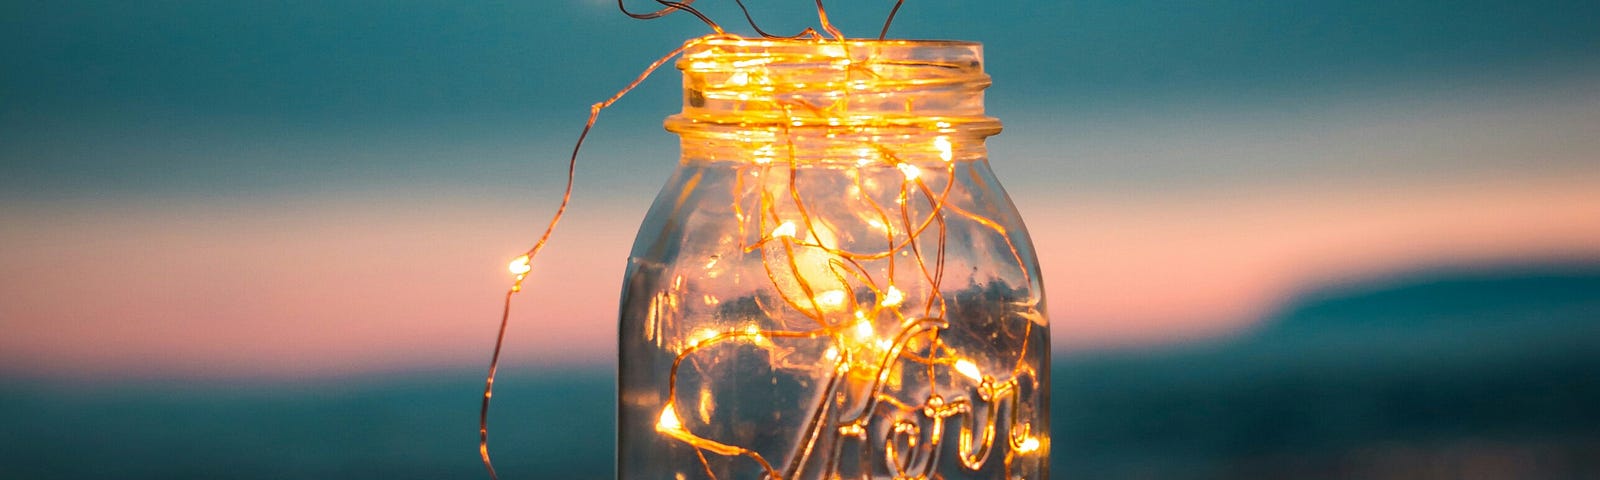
1450, 301
1486, 373
1443, 374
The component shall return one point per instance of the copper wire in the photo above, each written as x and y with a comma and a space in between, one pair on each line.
669, 7
885, 32
566, 199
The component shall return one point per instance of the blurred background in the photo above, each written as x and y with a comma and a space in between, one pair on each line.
1340, 239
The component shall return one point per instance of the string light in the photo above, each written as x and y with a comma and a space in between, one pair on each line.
865, 357
1028, 445
911, 171
668, 421
520, 266
892, 297
966, 367
943, 145
785, 230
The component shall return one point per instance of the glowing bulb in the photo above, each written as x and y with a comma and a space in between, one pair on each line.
942, 143
966, 367
853, 430
911, 171
831, 354
669, 421
520, 266
702, 335
1030, 444
832, 298
864, 330
755, 335
739, 78
892, 297
784, 230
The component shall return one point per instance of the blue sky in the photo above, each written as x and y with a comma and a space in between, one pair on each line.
197, 91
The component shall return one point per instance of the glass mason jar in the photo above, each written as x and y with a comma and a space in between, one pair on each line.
833, 284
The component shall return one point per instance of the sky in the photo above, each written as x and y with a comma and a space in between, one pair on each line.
312, 188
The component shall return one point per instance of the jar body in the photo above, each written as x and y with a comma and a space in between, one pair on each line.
821, 303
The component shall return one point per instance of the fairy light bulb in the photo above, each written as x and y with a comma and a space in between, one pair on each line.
911, 171
520, 266
1028, 445
786, 230
967, 368
832, 300
892, 297
668, 421
863, 329
944, 147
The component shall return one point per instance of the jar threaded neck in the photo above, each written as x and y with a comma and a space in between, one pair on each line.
851, 84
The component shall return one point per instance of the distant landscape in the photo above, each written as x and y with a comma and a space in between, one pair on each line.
1457, 373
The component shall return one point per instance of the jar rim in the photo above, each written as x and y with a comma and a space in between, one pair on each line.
730, 52
855, 83
730, 40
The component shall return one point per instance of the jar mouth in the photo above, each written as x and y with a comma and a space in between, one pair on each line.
742, 42
850, 83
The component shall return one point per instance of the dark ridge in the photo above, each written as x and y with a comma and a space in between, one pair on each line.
1454, 297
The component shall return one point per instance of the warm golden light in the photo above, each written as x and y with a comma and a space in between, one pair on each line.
833, 270
832, 299
520, 266
967, 368
864, 330
892, 297
943, 145
911, 171
669, 420
1028, 445
754, 333
702, 335
820, 181
784, 230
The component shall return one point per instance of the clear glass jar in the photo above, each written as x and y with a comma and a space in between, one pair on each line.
833, 284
